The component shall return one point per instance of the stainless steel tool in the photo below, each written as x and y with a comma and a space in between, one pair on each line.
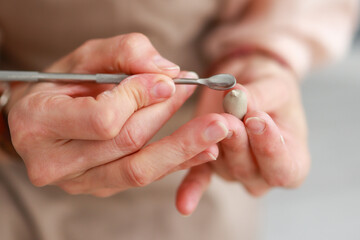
217, 82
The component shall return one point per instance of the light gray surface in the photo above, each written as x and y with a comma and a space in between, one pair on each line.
327, 206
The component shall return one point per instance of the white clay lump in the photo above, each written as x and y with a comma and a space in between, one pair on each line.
235, 103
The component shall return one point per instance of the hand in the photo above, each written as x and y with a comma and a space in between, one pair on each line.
89, 138
269, 148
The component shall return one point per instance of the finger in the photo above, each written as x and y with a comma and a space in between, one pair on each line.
137, 132
156, 159
130, 53
81, 155
209, 155
204, 157
237, 162
189, 192
103, 117
192, 188
269, 93
236, 153
270, 151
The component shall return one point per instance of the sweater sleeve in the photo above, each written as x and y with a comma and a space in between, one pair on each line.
302, 33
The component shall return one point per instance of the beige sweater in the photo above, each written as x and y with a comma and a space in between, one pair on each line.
303, 32
191, 33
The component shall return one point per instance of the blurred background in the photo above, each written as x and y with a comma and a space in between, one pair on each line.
327, 206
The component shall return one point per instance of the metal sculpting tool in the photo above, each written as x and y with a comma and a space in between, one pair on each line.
217, 82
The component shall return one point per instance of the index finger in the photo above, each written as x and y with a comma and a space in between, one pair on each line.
99, 118
158, 158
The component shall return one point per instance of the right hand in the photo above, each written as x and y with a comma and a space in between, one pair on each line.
89, 138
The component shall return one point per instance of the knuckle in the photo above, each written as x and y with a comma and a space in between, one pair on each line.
269, 150
136, 175
288, 175
45, 170
86, 47
34, 103
19, 134
103, 193
185, 149
136, 95
23, 141
40, 176
242, 172
132, 40
279, 180
70, 189
130, 139
80, 55
132, 47
26, 122
104, 123
255, 192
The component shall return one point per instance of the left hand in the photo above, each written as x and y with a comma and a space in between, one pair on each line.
269, 148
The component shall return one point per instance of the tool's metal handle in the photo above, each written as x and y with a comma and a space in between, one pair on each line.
30, 76
218, 82
110, 78
188, 81
16, 76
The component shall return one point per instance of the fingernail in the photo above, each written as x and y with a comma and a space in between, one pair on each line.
230, 134
282, 139
255, 125
163, 89
185, 216
191, 75
164, 64
108, 94
206, 157
190, 207
216, 131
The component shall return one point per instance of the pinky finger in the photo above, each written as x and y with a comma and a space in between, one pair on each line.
192, 189
208, 155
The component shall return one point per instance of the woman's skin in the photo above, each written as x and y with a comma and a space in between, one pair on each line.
90, 138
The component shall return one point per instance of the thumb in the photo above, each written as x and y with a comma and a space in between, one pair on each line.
102, 118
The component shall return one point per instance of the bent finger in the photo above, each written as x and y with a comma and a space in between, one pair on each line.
81, 155
101, 118
158, 158
237, 155
270, 150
